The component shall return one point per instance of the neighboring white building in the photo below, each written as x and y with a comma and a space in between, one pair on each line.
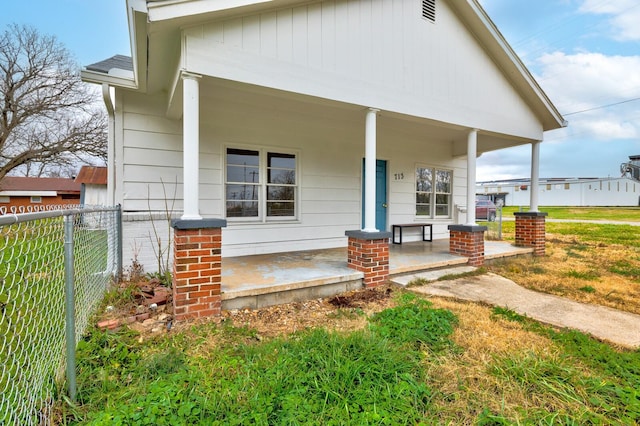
93, 181
622, 191
263, 114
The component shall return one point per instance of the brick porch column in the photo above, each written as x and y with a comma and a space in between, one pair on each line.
530, 231
468, 241
197, 270
368, 252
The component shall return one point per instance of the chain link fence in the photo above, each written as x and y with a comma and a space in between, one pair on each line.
494, 227
55, 267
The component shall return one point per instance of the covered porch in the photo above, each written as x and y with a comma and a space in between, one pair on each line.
263, 280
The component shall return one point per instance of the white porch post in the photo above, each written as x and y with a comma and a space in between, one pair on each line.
535, 176
472, 148
370, 172
191, 146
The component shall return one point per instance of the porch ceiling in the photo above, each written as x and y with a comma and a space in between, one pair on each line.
234, 94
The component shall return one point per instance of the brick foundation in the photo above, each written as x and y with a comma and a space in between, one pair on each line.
197, 268
467, 241
530, 231
368, 252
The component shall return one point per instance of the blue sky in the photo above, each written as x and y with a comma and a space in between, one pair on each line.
584, 53
92, 30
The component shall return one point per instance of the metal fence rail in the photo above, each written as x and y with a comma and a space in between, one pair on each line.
49, 261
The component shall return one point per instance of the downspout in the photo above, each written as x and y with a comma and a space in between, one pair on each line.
111, 178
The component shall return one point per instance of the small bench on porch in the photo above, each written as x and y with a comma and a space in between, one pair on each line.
411, 225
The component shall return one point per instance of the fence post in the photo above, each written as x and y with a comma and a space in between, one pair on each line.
70, 312
119, 244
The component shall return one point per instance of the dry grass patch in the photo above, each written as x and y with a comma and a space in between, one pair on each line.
589, 272
464, 379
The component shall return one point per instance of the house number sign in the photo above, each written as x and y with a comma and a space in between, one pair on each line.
398, 176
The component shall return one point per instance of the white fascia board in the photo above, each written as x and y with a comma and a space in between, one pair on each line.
110, 79
172, 9
28, 193
137, 15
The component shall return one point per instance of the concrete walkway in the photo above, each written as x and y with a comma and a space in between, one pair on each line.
618, 327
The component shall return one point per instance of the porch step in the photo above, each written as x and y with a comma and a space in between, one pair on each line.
263, 296
432, 275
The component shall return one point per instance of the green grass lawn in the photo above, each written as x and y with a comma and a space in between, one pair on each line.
631, 214
383, 374
418, 362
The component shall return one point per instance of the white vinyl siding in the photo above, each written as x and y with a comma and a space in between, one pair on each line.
380, 53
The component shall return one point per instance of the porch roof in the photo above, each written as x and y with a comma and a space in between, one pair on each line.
155, 28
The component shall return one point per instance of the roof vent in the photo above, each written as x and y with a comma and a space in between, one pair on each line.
429, 10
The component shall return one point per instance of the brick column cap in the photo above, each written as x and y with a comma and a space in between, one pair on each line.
467, 228
182, 224
530, 214
363, 235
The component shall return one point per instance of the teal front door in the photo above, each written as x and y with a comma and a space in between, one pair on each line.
381, 194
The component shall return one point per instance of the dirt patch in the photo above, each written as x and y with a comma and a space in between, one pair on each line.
344, 312
358, 299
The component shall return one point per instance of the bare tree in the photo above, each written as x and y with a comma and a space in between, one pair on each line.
50, 121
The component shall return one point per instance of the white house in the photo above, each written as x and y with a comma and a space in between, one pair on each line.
270, 114
622, 191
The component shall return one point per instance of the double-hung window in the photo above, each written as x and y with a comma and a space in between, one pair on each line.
433, 192
261, 184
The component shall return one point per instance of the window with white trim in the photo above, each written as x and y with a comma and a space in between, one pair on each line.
433, 192
36, 199
261, 184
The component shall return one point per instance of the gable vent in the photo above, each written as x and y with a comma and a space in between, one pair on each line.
429, 10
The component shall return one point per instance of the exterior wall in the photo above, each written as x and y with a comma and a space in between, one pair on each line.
330, 148
95, 195
140, 240
596, 192
381, 54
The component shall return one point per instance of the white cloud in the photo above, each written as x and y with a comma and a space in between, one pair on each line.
584, 81
609, 129
504, 164
624, 16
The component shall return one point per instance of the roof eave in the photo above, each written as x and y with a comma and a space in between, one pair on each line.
112, 80
137, 15
188, 10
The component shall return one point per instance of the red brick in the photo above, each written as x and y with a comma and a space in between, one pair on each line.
181, 289
200, 280
109, 324
212, 300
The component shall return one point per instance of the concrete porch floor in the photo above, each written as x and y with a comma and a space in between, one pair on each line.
269, 279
